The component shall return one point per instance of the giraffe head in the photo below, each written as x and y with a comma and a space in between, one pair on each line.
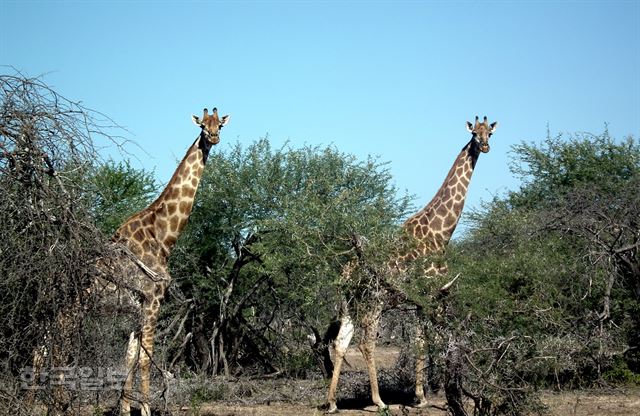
211, 125
481, 132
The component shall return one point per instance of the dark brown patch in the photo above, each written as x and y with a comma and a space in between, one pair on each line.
436, 223
442, 211
159, 290
138, 235
450, 220
174, 224
188, 192
170, 241
194, 182
171, 208
185, 207
133, 226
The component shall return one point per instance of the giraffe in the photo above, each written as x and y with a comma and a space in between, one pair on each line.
430, 229
147, 239
134, 270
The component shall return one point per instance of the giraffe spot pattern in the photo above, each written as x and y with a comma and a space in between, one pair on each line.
188, 192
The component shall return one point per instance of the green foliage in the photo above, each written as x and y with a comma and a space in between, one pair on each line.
98, 410
119, 190
385, 411
619, 372
269, 234
203, 393
559, 165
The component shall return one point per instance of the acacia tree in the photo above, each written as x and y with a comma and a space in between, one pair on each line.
260, 263
549, 292
47, 237
596, 180
52, 208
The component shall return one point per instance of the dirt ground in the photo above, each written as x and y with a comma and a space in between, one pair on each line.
583, 403
287, 397
312, 397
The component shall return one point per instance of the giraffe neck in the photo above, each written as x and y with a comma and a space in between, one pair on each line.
151, 233
434, 225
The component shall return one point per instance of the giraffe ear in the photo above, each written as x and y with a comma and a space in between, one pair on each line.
469, 127
225, 120
196, 121
493, 126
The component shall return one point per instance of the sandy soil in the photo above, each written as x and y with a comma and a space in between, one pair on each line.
564, 404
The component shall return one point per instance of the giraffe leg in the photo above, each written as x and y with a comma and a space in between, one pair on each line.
131, 360
341, 344
368, 348
146, 351
421, 364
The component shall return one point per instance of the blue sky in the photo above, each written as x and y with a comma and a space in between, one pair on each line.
394, 79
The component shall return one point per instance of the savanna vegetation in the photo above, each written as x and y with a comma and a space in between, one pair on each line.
548, 294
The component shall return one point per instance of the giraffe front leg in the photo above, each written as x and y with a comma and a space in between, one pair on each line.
367, 347
131, 361
146, 352
421, 364
341, 344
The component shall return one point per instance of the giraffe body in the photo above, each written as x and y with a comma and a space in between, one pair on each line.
431, 229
